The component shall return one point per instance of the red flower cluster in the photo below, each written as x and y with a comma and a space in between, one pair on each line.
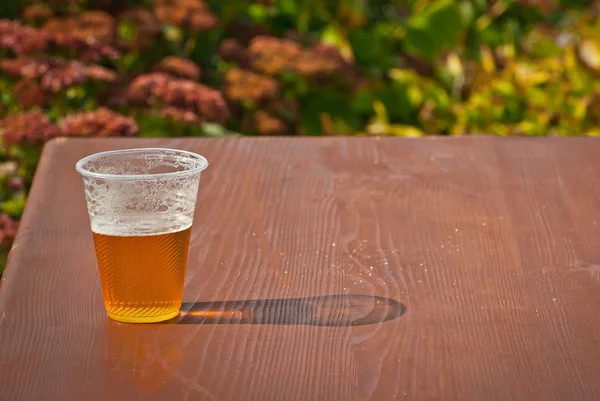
265, 124
34, 127
8, 229
37, 13
243, 85
321, 60
23, 39
181, 116
232, 51
95, 26
102, 122
98, 73
145, 28
185, 94
29, 93
272, 55
26, 67
192, 13
30, 127
179, 67
86, 48
98, 25
56, 74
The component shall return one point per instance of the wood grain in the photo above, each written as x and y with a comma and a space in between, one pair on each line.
302, 251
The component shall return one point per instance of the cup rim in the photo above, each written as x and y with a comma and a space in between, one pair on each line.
202, 165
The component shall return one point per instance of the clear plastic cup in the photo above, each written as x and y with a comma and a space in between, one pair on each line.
141, 205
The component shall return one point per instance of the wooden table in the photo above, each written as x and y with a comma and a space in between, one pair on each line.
328, 269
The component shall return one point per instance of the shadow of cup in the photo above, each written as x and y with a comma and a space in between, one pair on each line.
146, 357
329, 310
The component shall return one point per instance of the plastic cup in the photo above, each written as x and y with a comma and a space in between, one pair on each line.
141, 206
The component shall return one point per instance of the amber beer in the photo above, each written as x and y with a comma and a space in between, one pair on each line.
142, 275
141, 205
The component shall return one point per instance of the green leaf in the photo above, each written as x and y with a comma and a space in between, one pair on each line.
362, 103
126, 31
437, 28
258, 13
335, 36
481, 5
227, 11
398, 103
288, 6
172, 33
129, 62
418, 39
467, 12
371, 48
322, 101
404, 130
213, 129
14, 207
444, 16
154, 126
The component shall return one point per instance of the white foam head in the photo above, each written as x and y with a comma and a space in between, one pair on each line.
141, 191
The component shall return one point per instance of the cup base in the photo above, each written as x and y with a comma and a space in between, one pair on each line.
143, 319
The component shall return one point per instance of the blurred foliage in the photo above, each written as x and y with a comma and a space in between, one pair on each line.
158, 68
